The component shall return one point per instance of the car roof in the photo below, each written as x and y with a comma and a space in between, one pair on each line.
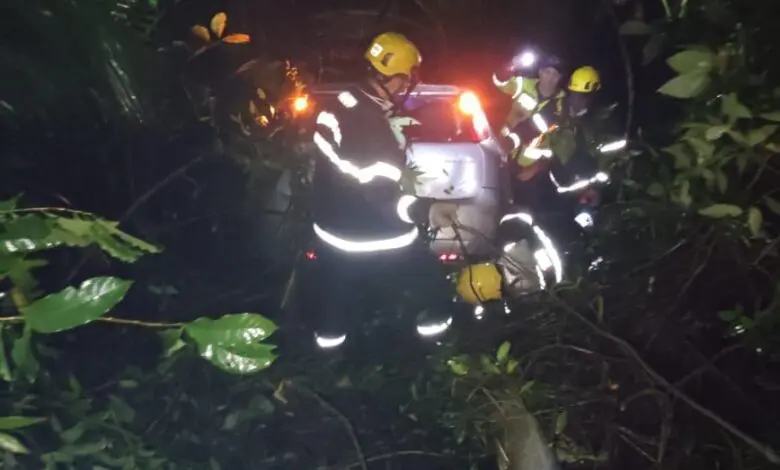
421, 90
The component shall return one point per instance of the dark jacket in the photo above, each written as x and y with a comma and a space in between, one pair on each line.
354, 140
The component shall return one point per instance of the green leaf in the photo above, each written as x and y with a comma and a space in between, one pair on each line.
733, 108
703, 149
239, 358
73, 307
687, 85
772, 204
773, 116
681, 154
511, 365
15, 422
722, 181
717, 211
12, 444
172, 341
656, 190
9, 204
757, 136
121, 410
503, 351
689, 61
561, 421
527, 387
755, 221
25, 234
715, 132
27, 365
728, 315
635, 28
457, 366
239, 328
5, 368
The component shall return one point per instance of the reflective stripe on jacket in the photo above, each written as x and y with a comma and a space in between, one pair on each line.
358, 203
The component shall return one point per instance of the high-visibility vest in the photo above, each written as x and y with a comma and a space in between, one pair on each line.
525, 98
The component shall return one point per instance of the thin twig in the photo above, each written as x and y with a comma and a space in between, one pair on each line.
629, 350
135, 205
350, 430
117, 321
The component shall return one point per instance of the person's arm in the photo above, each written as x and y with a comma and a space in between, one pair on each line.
380, 181
506, 81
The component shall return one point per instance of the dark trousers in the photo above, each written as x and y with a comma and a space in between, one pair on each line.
340, 288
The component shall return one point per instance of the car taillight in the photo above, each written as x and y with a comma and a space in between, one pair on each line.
470, 107
449, 257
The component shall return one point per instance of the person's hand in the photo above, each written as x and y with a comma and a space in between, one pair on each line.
443, 214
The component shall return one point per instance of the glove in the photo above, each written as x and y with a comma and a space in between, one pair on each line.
443, 214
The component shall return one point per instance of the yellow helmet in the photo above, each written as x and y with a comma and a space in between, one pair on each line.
585, 80
392, 54
479, 283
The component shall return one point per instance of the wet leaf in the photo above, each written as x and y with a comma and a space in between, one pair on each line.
16, 422
692, 61
218, 23
121, 410
755, 221
511, 366
240, 328
73, 307
527, 387
687, 85
239, 358
717, 211
457, 366
237, 39
12, 444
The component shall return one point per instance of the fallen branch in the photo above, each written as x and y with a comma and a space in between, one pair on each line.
629, 350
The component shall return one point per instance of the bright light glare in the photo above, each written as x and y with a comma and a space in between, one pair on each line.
527, 59
300, 103
468, 103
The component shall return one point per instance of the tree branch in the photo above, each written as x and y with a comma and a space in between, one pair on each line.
629, 350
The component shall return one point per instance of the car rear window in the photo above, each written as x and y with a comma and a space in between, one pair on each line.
440, 121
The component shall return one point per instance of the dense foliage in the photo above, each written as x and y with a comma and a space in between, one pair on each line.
167, 118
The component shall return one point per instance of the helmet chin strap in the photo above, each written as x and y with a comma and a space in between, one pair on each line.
383, 80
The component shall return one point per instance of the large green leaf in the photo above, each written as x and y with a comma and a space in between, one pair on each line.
717, 211
692, 61
73, 307
39, 231
12, 444
24, 234
686, 85
16, 422
239, 358
760, 135
233, 329
733, 108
